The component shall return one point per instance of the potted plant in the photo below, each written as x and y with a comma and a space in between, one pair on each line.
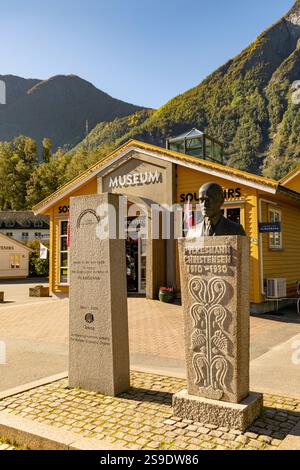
167, 294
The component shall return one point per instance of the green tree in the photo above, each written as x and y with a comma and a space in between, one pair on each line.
47, 178
18, 159
37, 267
47, 150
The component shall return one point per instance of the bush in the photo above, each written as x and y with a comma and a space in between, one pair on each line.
37, 267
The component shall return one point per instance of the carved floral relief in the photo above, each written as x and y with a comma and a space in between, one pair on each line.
209, 341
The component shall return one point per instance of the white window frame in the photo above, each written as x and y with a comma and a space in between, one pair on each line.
273, 235
59, 254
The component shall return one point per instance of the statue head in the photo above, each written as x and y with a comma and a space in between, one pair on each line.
211, 198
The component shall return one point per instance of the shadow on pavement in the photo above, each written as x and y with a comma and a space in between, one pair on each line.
144, 395
32, 280
284, 315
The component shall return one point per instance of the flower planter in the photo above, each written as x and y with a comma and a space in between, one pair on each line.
166, 296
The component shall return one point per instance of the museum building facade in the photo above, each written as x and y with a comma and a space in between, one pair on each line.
149, 175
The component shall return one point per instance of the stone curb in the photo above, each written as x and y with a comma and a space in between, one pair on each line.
31, 385
292, 441
37, 436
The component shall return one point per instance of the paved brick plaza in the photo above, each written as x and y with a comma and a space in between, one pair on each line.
142, 418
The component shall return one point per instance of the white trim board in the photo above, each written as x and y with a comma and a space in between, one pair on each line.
285, 181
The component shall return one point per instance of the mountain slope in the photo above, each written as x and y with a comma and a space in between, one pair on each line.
57, 108
246, 103
106, 133
17, 87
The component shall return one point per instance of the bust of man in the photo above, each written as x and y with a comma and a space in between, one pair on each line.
211, 198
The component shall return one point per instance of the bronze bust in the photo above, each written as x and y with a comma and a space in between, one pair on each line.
211, 198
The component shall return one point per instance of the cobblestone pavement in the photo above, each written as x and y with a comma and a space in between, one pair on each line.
6, 446
142, 417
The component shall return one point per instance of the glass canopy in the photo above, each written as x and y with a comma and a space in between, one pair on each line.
197, 144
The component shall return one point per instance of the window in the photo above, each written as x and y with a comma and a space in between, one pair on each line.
15, 261
10, 223
38, 223
63, 253
191, 217
233, 214
26, 224
25, 235
194, 147
9, 234
38, 235
275, 238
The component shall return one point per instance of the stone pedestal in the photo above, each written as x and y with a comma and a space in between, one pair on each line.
215, 296
99, 345
39, 291
220, 413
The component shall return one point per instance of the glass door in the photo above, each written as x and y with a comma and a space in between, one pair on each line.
136, 257
142, 265
132, 265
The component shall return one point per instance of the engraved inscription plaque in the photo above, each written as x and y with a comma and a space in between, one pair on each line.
99, 347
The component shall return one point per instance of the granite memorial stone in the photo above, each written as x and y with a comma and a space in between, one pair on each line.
99, 346
215, 293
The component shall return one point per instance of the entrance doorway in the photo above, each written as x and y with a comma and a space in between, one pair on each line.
136, 257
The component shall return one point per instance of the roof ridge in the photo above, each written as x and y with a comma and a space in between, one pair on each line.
295, 170
180, 156
2, 235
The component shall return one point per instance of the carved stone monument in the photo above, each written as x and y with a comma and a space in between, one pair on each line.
215, 293
99, 346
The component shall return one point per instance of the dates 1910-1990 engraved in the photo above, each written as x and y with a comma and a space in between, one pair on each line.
210, 343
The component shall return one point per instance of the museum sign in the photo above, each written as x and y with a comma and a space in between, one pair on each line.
135, 179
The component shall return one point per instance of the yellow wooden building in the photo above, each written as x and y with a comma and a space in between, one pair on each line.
145, 172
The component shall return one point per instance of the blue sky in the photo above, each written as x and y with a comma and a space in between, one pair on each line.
142, 51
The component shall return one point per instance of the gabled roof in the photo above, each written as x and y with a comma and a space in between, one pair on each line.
19, 220
213, 169
291, 175
187, 135
16, 242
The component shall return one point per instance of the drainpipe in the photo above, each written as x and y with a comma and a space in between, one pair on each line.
261, 251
